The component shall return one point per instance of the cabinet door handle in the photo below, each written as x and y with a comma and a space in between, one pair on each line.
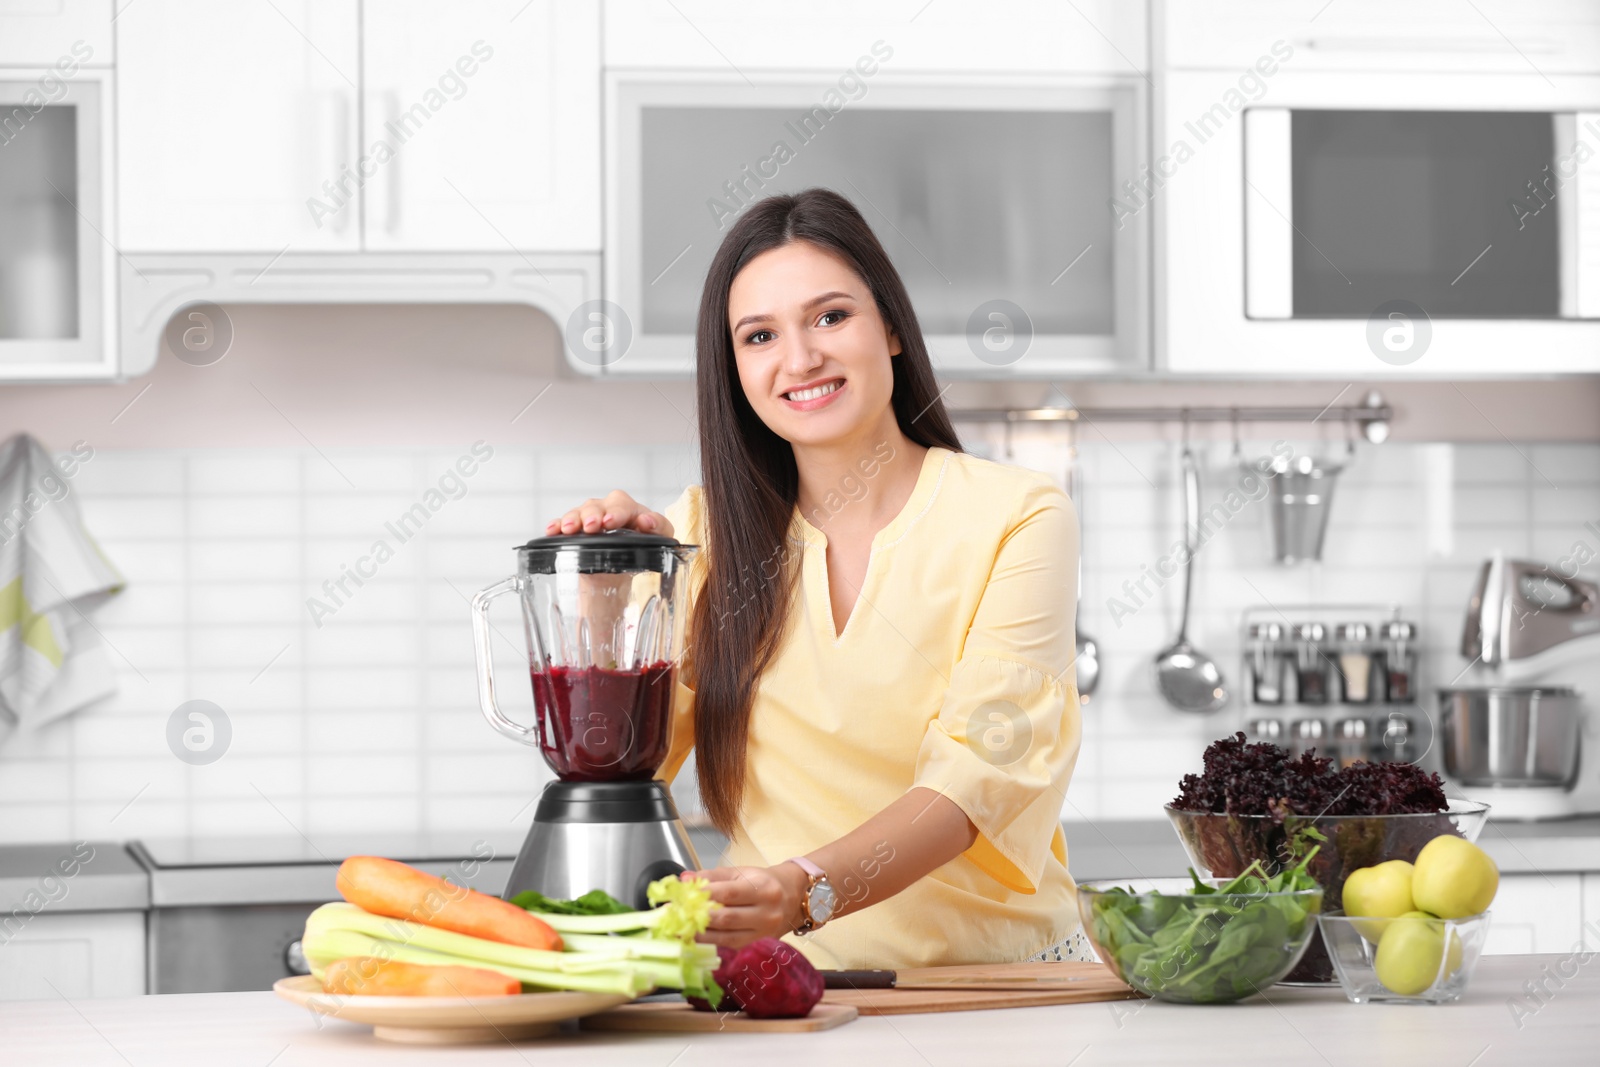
391, 184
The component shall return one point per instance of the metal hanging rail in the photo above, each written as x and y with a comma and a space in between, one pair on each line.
1373, 415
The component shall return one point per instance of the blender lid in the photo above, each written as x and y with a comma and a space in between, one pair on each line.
611, 552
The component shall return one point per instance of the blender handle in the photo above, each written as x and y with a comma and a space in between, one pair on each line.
480, 635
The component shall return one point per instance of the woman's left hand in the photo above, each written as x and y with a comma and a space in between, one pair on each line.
756, 902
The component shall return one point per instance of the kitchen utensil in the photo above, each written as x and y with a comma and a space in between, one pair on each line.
877, 979
1136, 941
1189, 679
1223, 845
1087, 657
1510, 737
676, 1016
1302, 492
1075, 983
604, 620
1355, 957
1518, 732
449, 1020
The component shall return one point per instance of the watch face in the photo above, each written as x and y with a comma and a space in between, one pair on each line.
822, 902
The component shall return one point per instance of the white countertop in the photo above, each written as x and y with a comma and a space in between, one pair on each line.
1296, 1026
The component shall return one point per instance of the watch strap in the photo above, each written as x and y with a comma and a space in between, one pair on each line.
814, 874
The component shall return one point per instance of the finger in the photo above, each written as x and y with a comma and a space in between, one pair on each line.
755, 919
717, 874
591, 512
727, 938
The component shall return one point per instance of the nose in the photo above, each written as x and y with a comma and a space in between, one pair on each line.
801, 356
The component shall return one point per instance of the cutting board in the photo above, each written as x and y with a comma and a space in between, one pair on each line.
1064, 983
678, 1017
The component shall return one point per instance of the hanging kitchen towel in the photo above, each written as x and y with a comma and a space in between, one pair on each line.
52, 577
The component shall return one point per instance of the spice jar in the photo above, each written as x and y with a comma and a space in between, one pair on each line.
1311, 670
1350, 741
1355, 662
1399, 741
1266, 664
1307, 735
1400, 660
1268, 730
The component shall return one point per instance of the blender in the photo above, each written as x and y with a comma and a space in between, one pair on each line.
604, 616
1520, 734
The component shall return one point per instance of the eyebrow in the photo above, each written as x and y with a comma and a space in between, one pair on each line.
823, 298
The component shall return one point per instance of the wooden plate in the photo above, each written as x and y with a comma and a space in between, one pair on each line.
449, 1020
678, 1017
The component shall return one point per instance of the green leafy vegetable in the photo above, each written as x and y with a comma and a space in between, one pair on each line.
594, 902
1216, 943
604, 949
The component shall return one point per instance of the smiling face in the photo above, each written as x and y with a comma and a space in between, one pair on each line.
812, 350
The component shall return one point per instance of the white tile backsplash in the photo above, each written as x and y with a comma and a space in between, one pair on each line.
370, 721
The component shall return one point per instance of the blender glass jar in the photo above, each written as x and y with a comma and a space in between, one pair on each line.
604, 616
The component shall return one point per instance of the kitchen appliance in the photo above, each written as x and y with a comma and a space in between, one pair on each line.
1515, 735
1408, 201
603, 616
1009, 275
226, 913
1189, 679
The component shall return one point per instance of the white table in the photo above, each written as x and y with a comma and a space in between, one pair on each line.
1296, 1026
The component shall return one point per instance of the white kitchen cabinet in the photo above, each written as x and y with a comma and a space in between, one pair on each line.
1486, 37
1591, 912
829, 36
75, 955
1536, 913
482, 125
58, 270
37, 33
233, 118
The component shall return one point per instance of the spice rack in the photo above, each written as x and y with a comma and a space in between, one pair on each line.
1337, 678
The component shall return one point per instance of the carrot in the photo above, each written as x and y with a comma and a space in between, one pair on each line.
374, 977
387, 887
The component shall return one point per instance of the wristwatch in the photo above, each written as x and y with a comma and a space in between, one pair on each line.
819, 901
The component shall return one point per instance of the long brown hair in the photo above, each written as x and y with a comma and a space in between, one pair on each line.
751, 483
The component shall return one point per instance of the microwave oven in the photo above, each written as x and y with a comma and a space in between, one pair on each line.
991, 198
1381, 223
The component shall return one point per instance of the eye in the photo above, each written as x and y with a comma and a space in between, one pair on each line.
832, 318
760, 337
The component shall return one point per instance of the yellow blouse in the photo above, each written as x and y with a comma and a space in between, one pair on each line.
954, 672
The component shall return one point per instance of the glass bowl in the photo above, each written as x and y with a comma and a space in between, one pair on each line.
1221, 845
1416, 968
1177, 945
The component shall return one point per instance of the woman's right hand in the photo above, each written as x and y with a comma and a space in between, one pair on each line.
616, 511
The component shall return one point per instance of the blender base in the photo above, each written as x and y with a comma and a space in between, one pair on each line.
615, 836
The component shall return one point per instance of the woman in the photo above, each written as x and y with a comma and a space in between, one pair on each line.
878, 679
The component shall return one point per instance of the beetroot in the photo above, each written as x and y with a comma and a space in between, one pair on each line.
720, 976
772, 980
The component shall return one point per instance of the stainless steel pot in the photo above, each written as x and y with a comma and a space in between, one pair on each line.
1510, 736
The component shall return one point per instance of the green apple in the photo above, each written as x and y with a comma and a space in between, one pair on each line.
1382, 891
1410, 952
1454, 878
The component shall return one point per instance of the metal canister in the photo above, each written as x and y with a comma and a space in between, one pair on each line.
1350, 741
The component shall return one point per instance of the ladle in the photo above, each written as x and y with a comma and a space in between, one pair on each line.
1189, 679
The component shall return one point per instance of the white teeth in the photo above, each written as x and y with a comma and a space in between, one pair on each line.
812, 394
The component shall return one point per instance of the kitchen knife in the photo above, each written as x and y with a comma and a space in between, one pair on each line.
882, 979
